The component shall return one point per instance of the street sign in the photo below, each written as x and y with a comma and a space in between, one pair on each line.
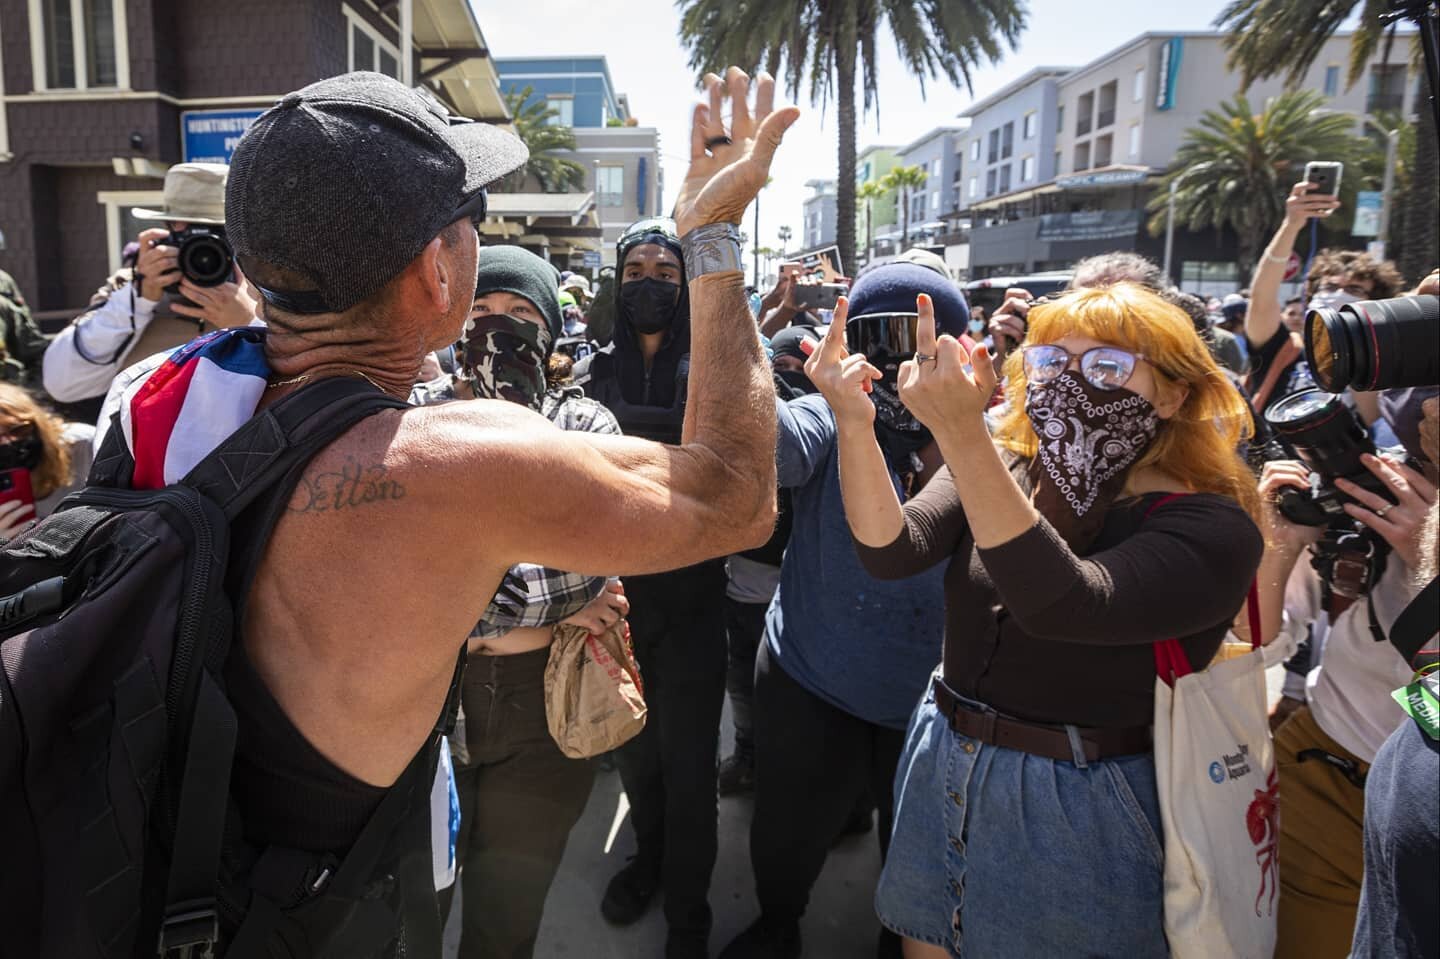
210, 136
591, 259
1292, 267
1367, 213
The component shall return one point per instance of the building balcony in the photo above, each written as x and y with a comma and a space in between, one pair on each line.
1082, 126
1105, 119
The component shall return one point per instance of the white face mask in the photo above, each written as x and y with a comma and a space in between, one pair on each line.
1331, 300
977, 327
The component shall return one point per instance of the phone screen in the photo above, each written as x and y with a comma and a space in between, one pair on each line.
15, 486
1325, 177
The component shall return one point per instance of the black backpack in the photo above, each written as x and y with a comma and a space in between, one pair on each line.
118, 836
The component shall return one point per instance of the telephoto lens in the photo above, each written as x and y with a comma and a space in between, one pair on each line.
1375, 344
1328, 438
205, 256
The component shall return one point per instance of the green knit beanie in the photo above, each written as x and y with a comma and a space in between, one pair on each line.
510, 269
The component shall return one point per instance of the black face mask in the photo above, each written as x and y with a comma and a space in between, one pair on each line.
899, 434
650, 306
22, 454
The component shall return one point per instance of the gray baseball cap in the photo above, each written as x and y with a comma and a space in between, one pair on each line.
345, 181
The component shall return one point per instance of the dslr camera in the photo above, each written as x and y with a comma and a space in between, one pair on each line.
205, 258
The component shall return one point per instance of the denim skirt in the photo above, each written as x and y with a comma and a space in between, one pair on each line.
1000, 853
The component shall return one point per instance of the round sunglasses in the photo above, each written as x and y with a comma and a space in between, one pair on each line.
1104, 367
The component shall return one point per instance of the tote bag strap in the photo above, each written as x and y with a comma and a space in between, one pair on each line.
1170, 660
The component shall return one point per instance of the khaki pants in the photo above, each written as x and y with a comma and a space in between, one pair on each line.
1321, 859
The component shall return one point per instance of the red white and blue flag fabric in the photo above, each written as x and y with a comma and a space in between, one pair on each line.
191, 403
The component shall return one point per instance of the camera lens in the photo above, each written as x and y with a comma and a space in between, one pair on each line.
206, 259
1375, 344
1323, 432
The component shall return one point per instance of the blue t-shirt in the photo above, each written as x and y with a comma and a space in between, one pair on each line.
861, 644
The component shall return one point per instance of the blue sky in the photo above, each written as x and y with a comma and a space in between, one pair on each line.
647, 61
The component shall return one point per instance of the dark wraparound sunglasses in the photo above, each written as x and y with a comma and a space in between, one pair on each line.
312, 302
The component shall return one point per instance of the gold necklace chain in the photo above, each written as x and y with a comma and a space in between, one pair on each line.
305, 376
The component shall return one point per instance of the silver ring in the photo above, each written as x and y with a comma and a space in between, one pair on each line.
1384, 509
923, 357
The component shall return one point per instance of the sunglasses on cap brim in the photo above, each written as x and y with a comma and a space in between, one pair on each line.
312, 302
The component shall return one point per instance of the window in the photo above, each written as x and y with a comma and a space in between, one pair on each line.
1134, 141
1005, 178
1058, 160
1084, 113
1104, 149
990, 183
121, 226
1027, 169
1060, 118
79, 44
369, 50
935, 167
935, 201
974, 187
993, 154
917, 208
975, 150
1007, 141
1082, 156
1031, 122
1387, 87
610, 185
1108, 94
1332, 80
1137, 93
564, 107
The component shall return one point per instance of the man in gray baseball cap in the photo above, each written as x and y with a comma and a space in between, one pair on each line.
351, 205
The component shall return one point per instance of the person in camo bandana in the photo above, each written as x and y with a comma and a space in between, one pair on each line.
519, 795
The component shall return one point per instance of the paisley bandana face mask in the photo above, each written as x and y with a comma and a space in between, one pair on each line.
505, 358
1089, 439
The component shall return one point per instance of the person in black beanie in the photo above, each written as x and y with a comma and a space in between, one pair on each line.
829, 713
677, 619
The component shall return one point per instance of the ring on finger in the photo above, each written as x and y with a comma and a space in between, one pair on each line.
926, 358
1384, 509
720, 141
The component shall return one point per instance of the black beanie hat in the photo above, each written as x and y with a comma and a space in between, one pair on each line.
510, 269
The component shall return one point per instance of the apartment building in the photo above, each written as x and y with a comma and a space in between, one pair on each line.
1106, 131
99, 98
883, 213
620, 155
819, 215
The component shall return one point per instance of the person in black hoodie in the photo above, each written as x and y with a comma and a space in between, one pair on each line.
677, 619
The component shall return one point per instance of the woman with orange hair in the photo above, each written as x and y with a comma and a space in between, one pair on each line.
54, 454
1109, 512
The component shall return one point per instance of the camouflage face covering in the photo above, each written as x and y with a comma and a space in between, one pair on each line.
505, 358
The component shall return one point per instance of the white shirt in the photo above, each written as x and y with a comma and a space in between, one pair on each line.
1349, 691
81, 361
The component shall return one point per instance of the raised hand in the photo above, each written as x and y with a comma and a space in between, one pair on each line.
1302, 205
728, 168
842, 377
1401, 523
943, 386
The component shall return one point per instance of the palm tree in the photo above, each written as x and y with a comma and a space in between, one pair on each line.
784, 234
869, 192
1235, 167
1268, 37
829, 44
555, 174
905, 179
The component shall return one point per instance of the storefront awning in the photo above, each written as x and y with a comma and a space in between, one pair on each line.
533, 207
455, 58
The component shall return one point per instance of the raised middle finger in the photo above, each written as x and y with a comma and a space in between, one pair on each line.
924, 326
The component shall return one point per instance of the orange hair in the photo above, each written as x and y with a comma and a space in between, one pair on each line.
1199, 445
53, 470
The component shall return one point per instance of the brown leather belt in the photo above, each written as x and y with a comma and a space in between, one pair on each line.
1038, 739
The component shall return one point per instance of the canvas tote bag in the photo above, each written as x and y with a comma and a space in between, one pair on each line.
1215, 768
594, 700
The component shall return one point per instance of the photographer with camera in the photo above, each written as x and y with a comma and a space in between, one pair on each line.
1363, 519
185, 283
1272, 333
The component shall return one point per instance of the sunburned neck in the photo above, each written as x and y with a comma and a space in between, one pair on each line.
300, 357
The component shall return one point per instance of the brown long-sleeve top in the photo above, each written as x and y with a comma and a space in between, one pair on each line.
1039, 633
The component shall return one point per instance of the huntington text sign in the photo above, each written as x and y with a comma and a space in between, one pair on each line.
210, 136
